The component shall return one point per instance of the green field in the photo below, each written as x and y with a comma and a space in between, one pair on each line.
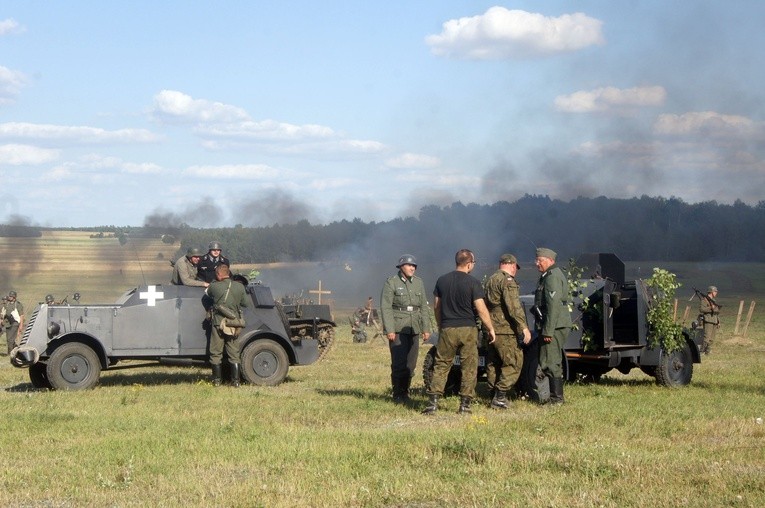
329, 435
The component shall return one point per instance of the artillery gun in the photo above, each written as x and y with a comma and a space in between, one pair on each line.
614, 321
67, 346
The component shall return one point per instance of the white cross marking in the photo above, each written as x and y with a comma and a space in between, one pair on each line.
151, 296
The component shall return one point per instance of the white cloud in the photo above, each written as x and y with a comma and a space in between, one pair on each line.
94, 163
610, 98
174, 106
267, 130
18, 155
11, 83
333, 183
501, 33
242, 171
413, 160
707, 123
74, 134
10, 26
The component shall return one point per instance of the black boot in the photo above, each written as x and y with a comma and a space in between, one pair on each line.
465, 405
216, 375
499, 401
432, 406
235, 375
556, 390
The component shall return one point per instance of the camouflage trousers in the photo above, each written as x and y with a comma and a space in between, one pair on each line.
504, 362
218, 343
551, 354
450, 340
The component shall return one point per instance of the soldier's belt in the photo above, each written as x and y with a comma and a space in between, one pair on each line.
408, 308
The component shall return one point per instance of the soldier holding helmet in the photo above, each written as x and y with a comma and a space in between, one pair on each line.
405, 317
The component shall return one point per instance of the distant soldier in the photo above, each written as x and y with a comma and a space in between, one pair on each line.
553, 320
185, 269
505, 355
12, 319
49, 300
709, 312
210, 261
405, 317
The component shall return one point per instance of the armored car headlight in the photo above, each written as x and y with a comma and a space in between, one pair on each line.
53, 329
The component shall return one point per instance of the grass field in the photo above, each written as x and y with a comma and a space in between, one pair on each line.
329, 435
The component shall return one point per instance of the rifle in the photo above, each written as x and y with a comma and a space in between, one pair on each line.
711, 300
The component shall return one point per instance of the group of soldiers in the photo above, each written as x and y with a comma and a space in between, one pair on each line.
460, 301
224, 301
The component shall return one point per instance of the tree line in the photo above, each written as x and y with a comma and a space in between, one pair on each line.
640, 228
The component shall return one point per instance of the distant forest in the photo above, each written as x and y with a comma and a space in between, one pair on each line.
644, 228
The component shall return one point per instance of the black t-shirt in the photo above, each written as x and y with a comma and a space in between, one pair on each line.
457, 291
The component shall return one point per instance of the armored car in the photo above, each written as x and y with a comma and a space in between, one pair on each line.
66, 347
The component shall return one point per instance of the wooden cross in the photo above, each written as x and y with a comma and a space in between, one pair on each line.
320, 292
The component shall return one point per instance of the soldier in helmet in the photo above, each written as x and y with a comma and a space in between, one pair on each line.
12, 316
49, 299
709, 312
405, 317
210, 261
185, 269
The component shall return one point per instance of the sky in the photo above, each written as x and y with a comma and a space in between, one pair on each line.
216, 114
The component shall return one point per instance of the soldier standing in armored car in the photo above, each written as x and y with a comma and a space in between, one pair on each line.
210, 261
185, 269
505, 355
553, 320
405, 317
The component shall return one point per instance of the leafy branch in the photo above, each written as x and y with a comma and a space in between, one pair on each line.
663, 330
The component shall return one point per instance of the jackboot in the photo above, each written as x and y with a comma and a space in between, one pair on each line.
399, 392
465, 405
556, 390
499, 401
216, 375
432, 406
235, 375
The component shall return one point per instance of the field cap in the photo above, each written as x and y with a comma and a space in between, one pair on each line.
544, 252
712, 289
509, 259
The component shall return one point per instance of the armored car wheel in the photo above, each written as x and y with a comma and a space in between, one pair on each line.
265, 363
453, 379
675, 368
38, 375
73, 366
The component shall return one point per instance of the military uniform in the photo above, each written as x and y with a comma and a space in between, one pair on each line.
185, 273
404, 310
10, 323
233, 296
709, 313
551, 300
505, 355
208, 263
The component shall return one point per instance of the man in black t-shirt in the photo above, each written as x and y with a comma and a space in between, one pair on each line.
458, 302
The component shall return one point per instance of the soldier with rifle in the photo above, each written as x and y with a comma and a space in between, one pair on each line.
709, 314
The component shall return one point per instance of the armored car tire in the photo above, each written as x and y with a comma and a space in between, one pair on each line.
675, 368
265, 363
38, 375
73, 366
